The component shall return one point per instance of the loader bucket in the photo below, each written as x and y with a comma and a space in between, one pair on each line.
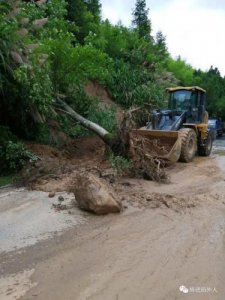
161, 144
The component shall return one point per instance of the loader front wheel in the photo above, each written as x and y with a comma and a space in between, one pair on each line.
188, 144
205, 148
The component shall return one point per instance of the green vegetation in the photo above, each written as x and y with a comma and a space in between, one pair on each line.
50, 50
13, 153
119, 163
141, 20
5, 180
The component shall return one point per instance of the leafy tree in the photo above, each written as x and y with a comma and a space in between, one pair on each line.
182, 71
161, 44
85, 15
132, 85
10, 59
115, 40
141, 20
94, 6
214, 85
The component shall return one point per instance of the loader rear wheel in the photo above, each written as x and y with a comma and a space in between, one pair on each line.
188, 144
205, 148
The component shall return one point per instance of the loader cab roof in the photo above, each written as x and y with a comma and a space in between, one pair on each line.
189, 88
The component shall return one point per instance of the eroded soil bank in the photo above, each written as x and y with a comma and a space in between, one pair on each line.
167, 236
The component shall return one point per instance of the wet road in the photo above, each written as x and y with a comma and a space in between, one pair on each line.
219, 144
28, 217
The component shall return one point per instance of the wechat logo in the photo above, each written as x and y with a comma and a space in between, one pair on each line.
183, 289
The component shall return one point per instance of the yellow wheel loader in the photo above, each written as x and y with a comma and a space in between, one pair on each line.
181, 130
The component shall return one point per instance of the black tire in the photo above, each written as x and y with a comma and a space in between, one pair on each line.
188, 144
205, 148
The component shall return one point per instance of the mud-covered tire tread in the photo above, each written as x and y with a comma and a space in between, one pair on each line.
184, 133
203, 150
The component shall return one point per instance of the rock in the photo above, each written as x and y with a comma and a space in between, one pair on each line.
109, 173
60, 198
112, 180
59, 206
51, 195
93, 194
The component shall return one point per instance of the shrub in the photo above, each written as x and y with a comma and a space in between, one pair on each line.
14, 155
130, 85
182, 71
71, 128
104, 117
119, 163
6, 135
41, 133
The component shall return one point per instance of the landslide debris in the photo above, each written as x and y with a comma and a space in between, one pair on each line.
84, 170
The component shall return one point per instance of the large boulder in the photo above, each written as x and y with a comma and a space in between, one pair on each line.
93, 194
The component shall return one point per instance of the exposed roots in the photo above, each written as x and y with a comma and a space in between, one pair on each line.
131, 120
144, 153
145, 160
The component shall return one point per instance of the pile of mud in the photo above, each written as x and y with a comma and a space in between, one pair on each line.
127, 193
80, 149
157, 200
132, 194
55, 168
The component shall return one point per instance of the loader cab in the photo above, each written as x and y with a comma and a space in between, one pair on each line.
190, 100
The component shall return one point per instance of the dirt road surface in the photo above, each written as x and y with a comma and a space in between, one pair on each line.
167, 244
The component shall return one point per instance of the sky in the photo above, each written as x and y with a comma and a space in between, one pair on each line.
194, 29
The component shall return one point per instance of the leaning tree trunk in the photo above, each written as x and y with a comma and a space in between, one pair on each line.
113, 141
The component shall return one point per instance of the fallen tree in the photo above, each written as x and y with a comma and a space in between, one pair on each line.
142, 153
118, 143
100, 131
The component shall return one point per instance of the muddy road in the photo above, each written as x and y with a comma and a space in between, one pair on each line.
167, 244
